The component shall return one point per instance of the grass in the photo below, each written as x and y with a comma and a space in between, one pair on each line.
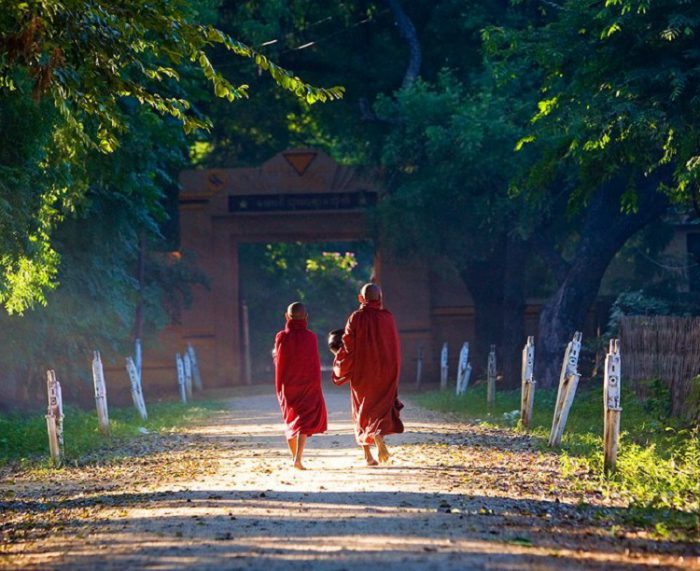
23, 437
658, 466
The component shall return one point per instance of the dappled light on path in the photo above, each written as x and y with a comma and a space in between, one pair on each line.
455, 496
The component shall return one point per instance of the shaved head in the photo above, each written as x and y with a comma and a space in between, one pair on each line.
296, 310
371, 292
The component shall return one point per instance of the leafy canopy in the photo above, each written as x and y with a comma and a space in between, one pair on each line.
619, 85
88, 55
70, 75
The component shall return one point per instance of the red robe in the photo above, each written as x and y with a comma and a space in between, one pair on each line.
298, 380
370, 359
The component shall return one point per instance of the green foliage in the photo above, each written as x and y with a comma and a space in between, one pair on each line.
692, 404
641, 302
618, 92
326, 277
658, 468
87, 56
94, 305
23, 437
450, 159
634, 303
31, 174
341, 40
71, 75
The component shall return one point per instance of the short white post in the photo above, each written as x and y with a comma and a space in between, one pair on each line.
188, 374
443, 366
612, 409
419, 367
98, 378
181, 377
247, 358
464, 370
568, 381
527, 398
138, 358
136, 389
54, 418
491, 378
196, 375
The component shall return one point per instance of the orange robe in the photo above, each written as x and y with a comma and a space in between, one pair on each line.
370, 360
298, 380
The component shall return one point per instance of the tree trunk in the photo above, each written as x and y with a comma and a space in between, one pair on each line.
565, 312
484, 281
497, 287
513, 338
605, 230
410, 36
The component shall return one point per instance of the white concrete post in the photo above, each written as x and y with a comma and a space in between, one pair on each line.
188, 374
612, 409
136, 389
443, 367
98, 378
181, 377
247, 358
138, 358
54, 418
527, 398
491, 378
568, 381
196, 375
464, 370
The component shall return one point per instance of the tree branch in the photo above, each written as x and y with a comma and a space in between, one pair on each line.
408, 33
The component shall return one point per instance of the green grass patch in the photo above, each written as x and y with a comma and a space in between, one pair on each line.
23, 436
658, 466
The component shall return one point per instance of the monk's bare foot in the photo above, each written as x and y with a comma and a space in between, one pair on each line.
368, 455
299, 466
382, 450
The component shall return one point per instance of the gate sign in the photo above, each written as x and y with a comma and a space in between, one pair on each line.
239, 203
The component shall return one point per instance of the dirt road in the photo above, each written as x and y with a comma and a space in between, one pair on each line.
222, 496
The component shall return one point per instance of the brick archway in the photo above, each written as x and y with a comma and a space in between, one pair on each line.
298, 195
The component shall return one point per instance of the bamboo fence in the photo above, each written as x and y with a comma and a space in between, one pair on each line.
661, 347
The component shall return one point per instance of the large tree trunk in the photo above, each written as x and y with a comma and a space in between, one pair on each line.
497, 287
513, 338
484, 281
605, 230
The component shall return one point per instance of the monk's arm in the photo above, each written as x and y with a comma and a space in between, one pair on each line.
342, 364
278, 360
276, 349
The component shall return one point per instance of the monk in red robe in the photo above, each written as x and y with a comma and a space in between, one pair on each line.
370, 360
298, 382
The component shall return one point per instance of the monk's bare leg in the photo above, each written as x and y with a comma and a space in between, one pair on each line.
382, 450
301, 442
292, 443
368, 455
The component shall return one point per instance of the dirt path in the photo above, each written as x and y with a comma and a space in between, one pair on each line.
222, 496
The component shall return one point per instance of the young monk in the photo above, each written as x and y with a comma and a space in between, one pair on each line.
369, 358
298, 382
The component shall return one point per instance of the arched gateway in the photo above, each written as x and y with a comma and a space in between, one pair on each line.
298, 195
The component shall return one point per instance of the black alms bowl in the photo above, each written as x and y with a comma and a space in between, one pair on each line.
335, 339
